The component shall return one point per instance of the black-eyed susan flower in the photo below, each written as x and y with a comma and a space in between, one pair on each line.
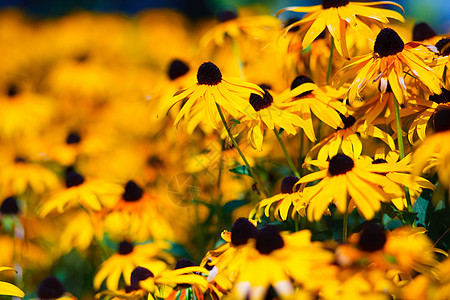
127, 258
9, 289
441, 63
268, 114
338, 17
305, 98
387, 63
289, 197
91, 193
342, 177
52, 288
211, 88
348, 140
434, 153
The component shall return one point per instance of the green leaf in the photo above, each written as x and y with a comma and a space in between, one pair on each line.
420, 207
233, 205
241, 170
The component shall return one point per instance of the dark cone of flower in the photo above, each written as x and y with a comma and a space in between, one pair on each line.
379, 161
348, 121
372, 238
139, 274
441, 98
334, 3
155, 161
340, 164
268, 239
73, 138
208, 73
287, 184
226, 15
443, 46
298, 81
10, 206
125, 248
50, 288
132, 192
73, 178
13, 90
184, 263
388, 42
442, 120
259, 102
177, 68
241, 231
19, 159
422, 31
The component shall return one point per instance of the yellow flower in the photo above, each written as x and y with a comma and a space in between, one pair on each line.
9, 289
211, 89
305, 97
91, 193
338, 17
268, 114
441, 63
386, 63
129, 257
342, 177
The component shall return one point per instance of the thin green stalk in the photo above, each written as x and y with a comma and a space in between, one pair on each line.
250, 169
401, 148
296, 222
288, 158
330, 60
345, 225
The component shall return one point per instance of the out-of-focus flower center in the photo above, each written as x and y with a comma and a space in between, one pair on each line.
138, 274
442, 120
226, 15
241, 231
348, 121
441, 98
209, 74
268, 239
73, 138
379, 161
259, 102
73, 178
132, 192
50, 288
334, 3
340, 164
10, 206
422, 31
372, 238
184, 263
13, 90
177, 68
388, 42
443, 46
125, 248
287, 184
298, 81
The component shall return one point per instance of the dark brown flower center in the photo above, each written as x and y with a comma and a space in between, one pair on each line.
298, 81
372, 238
73, 178
422, 31
73, 138
287, 184
388, 42
184, 263
241, 231
132, 192
443, 46
177, 68
138, 274
125, 248
50, 288
441, 98
268, 239
10, 206
379, 161
259, 102
334, 3
209, 74
13, 90
348, 121
340, 164
226, 15
442, 120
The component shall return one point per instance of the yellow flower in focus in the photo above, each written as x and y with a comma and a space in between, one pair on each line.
342, 177
386, 64
338, 16
211, 90
9, 289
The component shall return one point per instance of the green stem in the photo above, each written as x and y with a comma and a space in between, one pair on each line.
296, 222
250, 169
345, 225
401, 148
330, 60
288, 158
